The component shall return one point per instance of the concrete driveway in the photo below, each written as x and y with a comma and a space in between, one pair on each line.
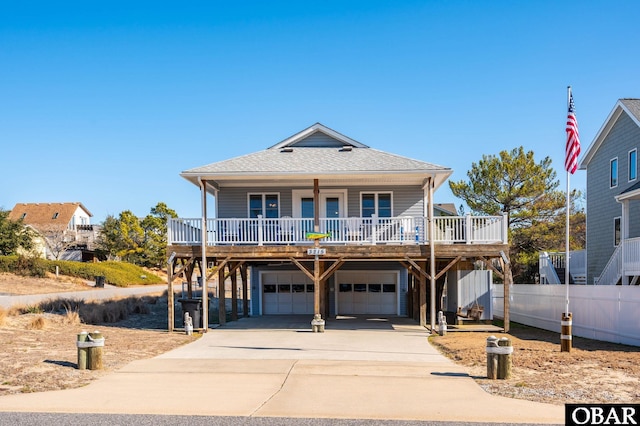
370, 368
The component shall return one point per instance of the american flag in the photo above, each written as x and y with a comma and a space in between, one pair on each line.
573, 140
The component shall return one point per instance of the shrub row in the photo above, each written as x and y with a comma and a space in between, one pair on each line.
93, 312
120, 274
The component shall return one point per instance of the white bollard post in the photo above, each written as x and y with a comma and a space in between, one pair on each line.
188, 324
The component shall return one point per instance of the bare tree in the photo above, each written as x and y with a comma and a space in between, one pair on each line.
58, 239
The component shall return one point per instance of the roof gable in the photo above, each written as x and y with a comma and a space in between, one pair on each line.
628, 106
318, 136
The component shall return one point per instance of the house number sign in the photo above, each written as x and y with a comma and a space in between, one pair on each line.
316, 251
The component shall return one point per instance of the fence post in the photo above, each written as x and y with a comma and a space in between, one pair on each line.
260, 230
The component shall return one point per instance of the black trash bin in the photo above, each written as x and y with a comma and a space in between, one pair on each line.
99, 281
194, 307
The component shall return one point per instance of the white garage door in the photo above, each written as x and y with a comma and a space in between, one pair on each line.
367, 292
286, 293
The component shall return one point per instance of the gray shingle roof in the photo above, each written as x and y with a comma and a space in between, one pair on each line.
317, 160
630, 106
633, 105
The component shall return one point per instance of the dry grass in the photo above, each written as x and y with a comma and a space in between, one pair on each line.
34, 359
37, 323
71, 318
94, 312
3, 316
593, 372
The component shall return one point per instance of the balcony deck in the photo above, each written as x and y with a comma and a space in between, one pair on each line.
353, 238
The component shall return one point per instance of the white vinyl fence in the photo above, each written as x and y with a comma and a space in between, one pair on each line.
608, 313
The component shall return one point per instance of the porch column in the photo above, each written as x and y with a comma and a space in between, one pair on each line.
222, 304
203, 263
245, 296
234, 292
432, 258
170, 302
317, 323
423, 295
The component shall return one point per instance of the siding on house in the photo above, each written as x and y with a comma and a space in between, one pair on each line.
318, 139
601, 205
407, 200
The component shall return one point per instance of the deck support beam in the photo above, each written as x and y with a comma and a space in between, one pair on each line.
170, 302
432, 255
245, 296
234, 291
222, 303
423, 296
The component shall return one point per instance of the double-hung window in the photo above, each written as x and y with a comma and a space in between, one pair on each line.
613, 173
633, 165
267, 205
378, 203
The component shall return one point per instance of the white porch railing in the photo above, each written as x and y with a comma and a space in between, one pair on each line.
625, 261
550, 261
631, 256
547, 269
368, 231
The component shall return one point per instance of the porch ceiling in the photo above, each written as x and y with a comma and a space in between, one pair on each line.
333, 180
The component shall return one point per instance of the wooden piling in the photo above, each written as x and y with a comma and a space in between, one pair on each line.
95, 350
82, 350
492, 358
504, 358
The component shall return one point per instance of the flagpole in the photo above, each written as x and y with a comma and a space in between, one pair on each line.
566, 323
566, 242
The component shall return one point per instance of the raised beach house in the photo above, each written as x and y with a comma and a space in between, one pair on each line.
323, 225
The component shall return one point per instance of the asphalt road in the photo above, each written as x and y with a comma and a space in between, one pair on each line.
108, 292
32, 419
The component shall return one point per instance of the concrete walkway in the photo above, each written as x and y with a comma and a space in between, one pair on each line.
276, 367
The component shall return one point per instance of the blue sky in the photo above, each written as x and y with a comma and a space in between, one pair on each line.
107, 102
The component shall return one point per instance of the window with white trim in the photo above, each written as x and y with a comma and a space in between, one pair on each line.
613, 173
633, 165
378, 203
617, 231
267, 205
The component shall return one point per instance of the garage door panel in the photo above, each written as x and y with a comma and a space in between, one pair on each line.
286, 293
373, 293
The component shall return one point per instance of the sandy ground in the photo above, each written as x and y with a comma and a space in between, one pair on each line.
592, 372
33, 360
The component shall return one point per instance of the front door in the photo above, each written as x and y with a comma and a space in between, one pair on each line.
331, 204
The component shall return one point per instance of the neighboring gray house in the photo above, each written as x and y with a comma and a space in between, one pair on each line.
370, 213
613, 198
